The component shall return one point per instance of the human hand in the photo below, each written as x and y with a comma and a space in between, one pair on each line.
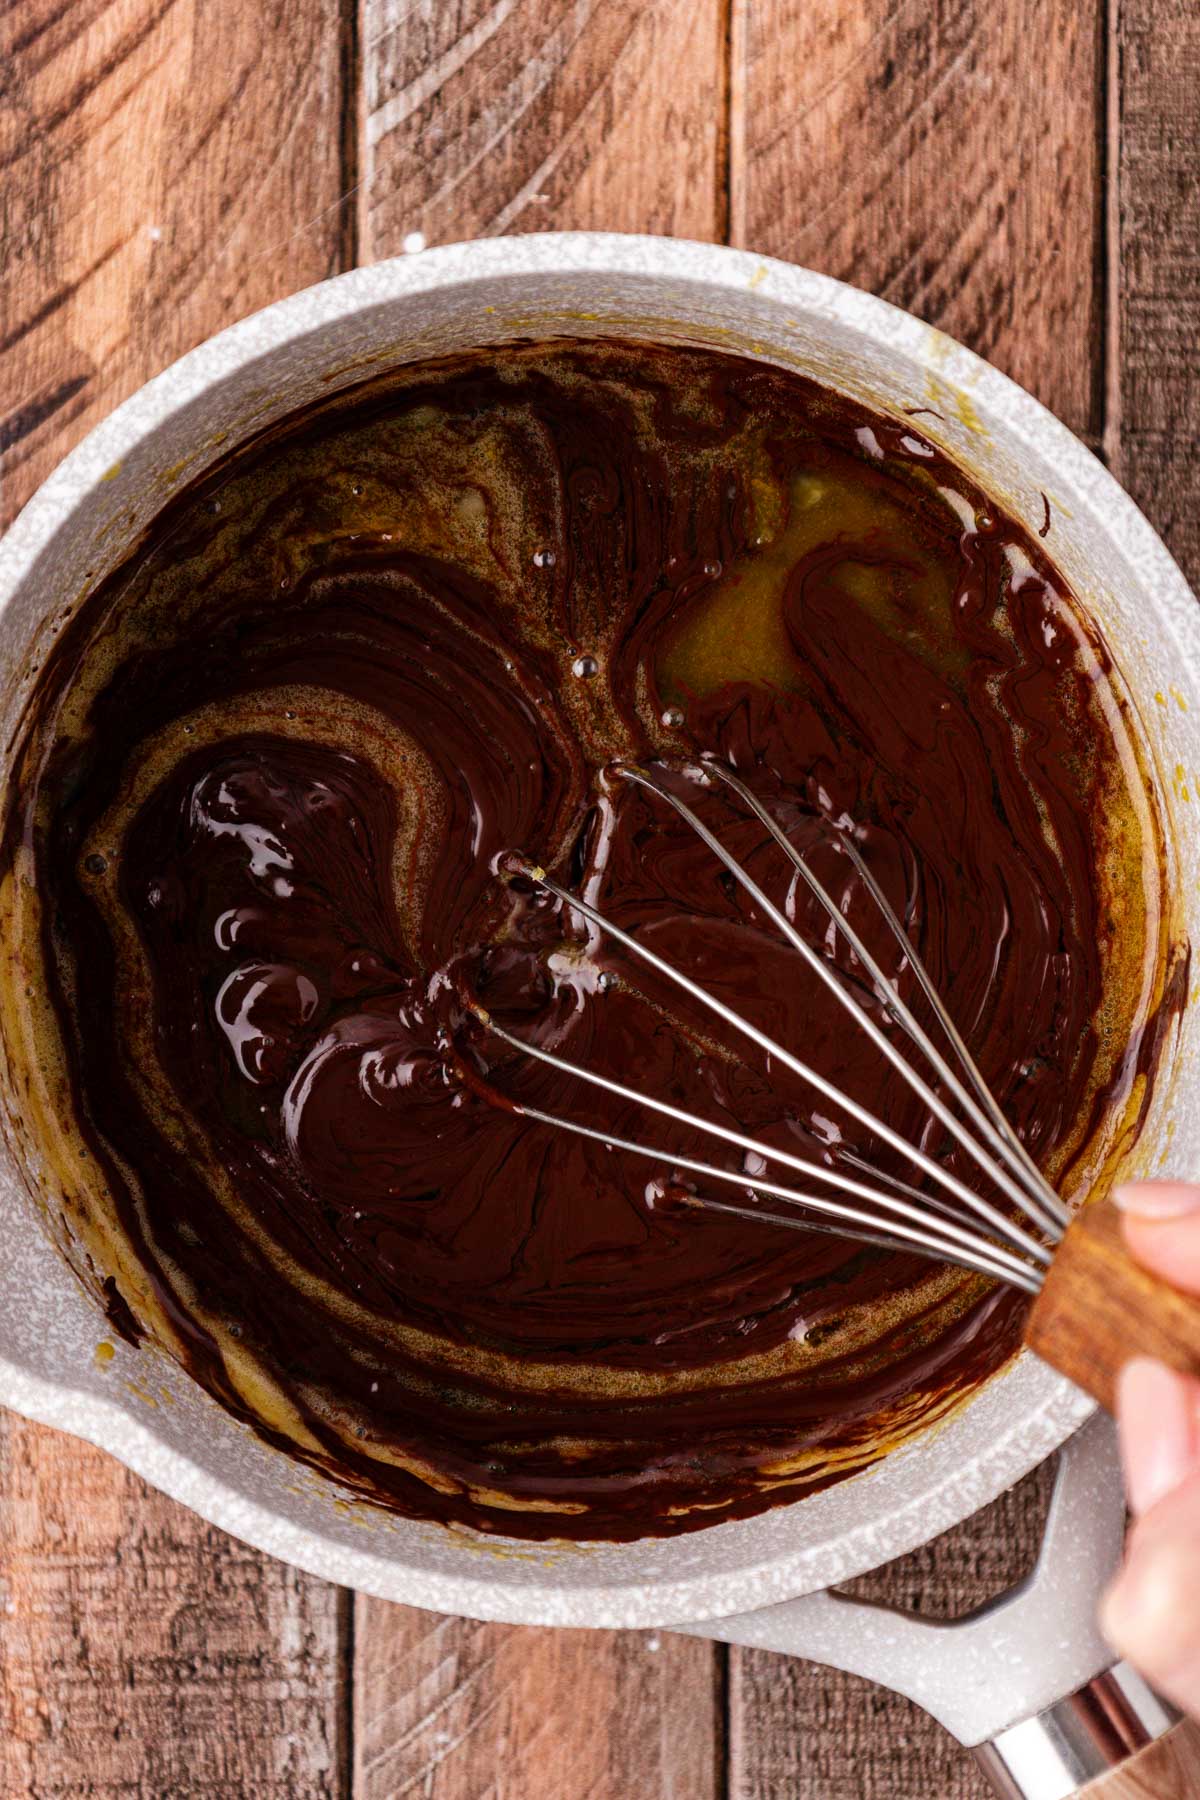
1151, 1614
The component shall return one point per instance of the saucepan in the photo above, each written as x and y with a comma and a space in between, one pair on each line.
1030, 1675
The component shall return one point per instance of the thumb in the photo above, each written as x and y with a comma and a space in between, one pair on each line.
1162, 1229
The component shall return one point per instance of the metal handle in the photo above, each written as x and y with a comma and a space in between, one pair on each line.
1027, 1681
1077, 1740
1011, 1661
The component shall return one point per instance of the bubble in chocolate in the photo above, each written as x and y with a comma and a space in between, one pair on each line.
543, 559
95, 864
673, 718
669, 1193
585, 667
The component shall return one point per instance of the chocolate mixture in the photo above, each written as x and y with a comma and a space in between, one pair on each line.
255, 885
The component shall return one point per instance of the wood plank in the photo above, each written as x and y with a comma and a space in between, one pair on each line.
950, 158
143, 1653
1154, 386
946, 156
1157, 394
812, 1733
450, 1709
490, 116
157, 158
487, 116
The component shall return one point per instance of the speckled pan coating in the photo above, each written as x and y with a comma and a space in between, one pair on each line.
138, 1405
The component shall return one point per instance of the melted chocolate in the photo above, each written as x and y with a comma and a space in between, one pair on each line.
270, 782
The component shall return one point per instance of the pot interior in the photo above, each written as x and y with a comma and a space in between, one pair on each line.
81, 526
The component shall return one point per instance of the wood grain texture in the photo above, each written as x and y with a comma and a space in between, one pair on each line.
1098, 1308
1168, 1770
945, 155
951, 158
450, 1709
800, 1731
156, 158
481, 117
142, 1653
491, 116
1157, 287
152, 155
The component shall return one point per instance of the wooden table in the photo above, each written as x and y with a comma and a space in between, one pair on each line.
1024, 173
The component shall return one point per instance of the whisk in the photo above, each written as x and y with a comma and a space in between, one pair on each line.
1093, 1306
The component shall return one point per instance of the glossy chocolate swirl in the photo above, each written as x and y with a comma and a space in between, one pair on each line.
256, 865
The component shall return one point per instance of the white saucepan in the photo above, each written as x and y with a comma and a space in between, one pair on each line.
741, 1579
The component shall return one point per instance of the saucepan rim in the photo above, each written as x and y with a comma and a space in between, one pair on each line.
1018, 1417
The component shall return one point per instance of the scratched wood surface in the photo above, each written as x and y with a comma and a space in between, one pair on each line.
479, 118
153, 155
156, 157
948, 156
1155, 379
451, 1707
144, 1653
489, 116
1025, 174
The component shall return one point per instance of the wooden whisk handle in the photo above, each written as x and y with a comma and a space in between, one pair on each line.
1099, 1307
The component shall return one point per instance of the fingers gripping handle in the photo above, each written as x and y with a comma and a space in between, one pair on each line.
997, 1679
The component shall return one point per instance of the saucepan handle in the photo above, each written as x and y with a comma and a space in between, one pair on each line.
1028, 1682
